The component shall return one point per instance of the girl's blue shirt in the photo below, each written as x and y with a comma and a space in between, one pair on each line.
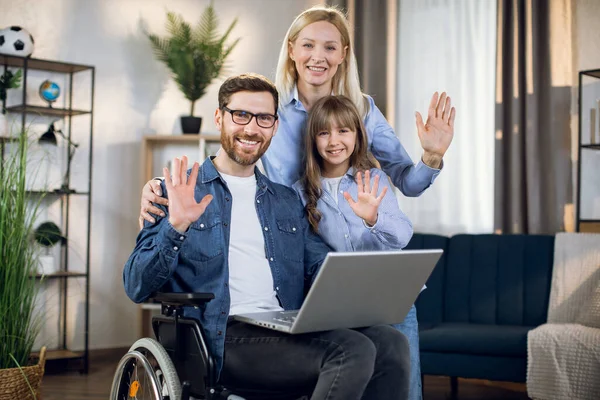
343, 230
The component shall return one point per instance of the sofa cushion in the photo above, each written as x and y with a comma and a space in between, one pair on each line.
498, 279
477, 339
487, 279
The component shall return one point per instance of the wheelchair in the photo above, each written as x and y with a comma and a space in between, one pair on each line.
178, 366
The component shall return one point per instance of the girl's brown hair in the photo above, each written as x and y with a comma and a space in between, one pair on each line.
326, 112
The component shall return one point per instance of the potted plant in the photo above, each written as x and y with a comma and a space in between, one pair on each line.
19, 321
47, 235
8, 80
196, 56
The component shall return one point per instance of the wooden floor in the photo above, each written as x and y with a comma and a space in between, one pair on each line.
96, 386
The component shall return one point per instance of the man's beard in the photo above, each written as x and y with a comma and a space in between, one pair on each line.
228, 142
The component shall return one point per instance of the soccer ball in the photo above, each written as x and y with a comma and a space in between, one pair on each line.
16, 41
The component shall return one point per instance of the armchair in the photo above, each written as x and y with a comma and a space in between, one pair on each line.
564, 354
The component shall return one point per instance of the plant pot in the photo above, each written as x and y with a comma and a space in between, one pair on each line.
15, 382
191, 125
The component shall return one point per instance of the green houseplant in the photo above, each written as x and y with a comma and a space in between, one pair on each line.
8, 80
19, 321
196, 56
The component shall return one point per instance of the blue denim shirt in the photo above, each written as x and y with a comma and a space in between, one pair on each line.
197, 260
283, 160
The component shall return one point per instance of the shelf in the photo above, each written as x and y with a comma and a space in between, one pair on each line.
42, 65
62, 274
589, 226
40, 110
592, 72
183, 138
57, 192
591, 146
61, 354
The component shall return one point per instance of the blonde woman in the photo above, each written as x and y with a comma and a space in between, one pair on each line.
316, 60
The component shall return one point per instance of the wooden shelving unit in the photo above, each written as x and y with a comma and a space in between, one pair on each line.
149, 143
588, 141
46, 111
24, 108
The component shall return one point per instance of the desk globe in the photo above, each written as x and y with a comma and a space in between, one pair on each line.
49, 91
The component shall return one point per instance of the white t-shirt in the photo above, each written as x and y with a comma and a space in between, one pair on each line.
250, 278
332, 185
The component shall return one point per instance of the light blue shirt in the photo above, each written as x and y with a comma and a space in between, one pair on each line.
343, 230
283, 160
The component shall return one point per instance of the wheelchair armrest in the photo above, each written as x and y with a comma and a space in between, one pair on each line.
183, 299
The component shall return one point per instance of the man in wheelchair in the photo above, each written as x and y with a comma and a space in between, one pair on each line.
230, 231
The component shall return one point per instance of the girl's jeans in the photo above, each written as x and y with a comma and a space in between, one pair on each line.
410, 328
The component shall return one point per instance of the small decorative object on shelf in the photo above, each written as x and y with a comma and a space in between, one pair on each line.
49, 137
595, 123
16, 41
196, 56
49, 91
47, 235
593, 114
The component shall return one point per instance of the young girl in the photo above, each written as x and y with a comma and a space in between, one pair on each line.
340, 185
340, 191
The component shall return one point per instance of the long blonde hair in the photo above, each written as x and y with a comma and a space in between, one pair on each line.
345, 82
326, 112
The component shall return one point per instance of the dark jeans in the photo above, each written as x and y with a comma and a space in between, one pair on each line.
368, 363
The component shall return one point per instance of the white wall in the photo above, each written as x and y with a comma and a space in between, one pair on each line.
134, 96
586, 35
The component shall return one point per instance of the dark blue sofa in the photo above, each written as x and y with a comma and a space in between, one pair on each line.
485, 294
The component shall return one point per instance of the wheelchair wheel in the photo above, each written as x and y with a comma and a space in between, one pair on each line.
146, 373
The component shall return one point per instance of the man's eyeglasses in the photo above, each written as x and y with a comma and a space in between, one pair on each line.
242, 117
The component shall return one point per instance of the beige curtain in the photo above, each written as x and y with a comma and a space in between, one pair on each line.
369, 19
533, 181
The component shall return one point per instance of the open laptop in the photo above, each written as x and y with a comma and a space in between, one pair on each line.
354, 290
